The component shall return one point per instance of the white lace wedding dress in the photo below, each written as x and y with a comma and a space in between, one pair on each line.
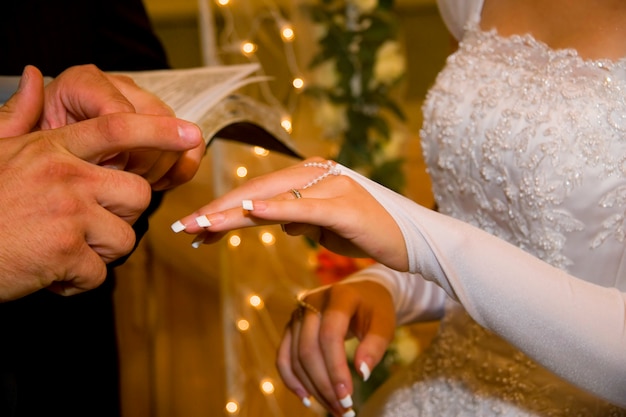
528, 144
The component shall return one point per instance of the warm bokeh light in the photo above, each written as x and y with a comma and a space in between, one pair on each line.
287, 33
298, 83
234, 241
242, 171
232, 407
256, 301
248, 48
286, 124
261, 151
268, 238
267, 386
243, 325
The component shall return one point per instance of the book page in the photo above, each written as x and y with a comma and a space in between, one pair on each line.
191, 92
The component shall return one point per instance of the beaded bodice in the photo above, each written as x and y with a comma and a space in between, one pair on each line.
529, 144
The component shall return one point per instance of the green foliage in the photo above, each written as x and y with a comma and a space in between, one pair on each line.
353, 36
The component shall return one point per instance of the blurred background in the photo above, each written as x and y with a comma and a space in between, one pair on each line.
198, 328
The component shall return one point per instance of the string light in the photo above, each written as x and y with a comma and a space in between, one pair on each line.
267, 386
252, 44
230, 41
243, 325
298, 83
234, 241
268, 238
242, 171
286, 124
258, 151
248, 48
232, 407
256, 301
287, 33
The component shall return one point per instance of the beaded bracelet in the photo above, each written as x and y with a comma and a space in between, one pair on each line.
331, 169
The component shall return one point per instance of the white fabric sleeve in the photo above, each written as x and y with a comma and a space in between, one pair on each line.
572, 327
414, 298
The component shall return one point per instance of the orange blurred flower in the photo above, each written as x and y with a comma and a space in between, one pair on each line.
332, 267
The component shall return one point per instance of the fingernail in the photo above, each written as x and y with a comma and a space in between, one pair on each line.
197, 242
247, 205
349, 413
203, 221
188, 131
365, 371
307, 402
346, 402
23, 79
178, 226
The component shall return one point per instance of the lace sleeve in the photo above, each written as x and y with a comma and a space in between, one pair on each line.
559, 320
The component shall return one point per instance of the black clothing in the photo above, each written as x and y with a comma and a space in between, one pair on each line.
58, 355
55, 34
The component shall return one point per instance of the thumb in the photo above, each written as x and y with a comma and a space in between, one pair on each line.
20, 114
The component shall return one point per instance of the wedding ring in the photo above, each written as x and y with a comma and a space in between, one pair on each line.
296, 193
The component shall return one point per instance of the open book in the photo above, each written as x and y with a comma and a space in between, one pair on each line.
207, 96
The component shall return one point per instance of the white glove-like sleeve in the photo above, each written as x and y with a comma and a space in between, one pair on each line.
574, 328
414, 298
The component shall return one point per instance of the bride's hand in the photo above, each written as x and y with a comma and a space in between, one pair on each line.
308, 200
312, 357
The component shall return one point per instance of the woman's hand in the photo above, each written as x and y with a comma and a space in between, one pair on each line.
333, 210
312, 358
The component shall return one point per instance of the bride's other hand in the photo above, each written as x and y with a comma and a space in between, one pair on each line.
312, 358
335, 211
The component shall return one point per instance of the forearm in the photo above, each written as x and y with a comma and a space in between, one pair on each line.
415, 299
559, 320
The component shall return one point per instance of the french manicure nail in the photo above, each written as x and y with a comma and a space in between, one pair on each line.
197, 242
365, 371
307, 402
178, 226
346, 402
349, 413
247, 205
203, 221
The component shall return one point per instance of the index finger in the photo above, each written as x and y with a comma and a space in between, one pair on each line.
79, 93
99, 139
334, 329
260, 188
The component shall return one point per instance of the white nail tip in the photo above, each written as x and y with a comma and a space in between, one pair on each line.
349, 413
306, 402
346, 402
196, 243
203, 221
365, 371
178, 226
247, 205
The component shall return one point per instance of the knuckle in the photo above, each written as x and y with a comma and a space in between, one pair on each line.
112, 127
127, 240
97, 277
